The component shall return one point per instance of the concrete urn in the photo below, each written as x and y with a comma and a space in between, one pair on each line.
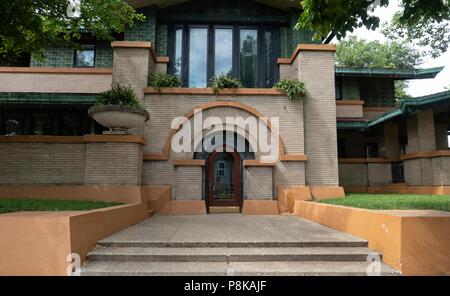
118, 118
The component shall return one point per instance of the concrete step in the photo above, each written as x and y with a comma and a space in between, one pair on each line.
269, 268
229, 254
236, 244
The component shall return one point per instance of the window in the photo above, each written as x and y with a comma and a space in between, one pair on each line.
198, 57
223, 51
342, 153
85, 57
249, 53
371, 150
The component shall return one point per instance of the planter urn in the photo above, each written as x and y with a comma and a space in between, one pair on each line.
118, 118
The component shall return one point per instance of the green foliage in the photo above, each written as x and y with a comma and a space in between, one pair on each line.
161, 80
31, 26
20, 205
424, 21
118, 95
430, 35
394, 202
401, 90
224, 81
360, 53
293, 88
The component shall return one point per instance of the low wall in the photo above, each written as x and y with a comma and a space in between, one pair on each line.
54, 160
55, 80
38, 243
414, 242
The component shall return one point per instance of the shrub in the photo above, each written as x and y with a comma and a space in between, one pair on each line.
161, 80
223, 81
118, 95
293, 88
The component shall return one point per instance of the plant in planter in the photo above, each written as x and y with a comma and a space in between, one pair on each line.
223, 81
293, 88
119, 110
160, 80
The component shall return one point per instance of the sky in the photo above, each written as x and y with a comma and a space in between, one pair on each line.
417, 87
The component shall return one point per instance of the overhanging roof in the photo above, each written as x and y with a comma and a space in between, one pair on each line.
280, 4
407, 107
399, 74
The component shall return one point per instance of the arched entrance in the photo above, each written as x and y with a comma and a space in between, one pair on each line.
224, 176
223, 172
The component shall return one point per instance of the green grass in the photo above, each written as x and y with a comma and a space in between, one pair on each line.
394, 202
21, 205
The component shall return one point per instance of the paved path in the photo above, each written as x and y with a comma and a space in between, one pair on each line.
232, 229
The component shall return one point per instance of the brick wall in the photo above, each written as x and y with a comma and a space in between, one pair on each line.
70, 164
41, 163
258, 183
188, 182
353, 174
316, 70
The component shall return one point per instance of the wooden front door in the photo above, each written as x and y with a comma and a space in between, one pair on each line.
224, 170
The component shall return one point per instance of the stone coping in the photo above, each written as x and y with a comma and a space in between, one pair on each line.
425, 154
189, 162
258, 163
350, 102
51, 70
366, 160
74, 139
209, 91
306, 47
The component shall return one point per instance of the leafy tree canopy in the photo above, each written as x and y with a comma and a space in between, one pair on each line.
360, 53
33, 25
424, 21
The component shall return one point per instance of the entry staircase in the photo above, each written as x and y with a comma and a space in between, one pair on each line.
326, 258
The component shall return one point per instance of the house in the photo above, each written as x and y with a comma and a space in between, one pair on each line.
347, 134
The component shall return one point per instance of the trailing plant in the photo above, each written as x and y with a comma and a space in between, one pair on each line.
160, 80
293, 88
118, 95
224, 81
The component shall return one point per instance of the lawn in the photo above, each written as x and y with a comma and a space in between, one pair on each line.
394, 202
21, 205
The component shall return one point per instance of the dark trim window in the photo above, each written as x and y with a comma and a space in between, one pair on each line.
342, 151
84, 57
371, 150
249, 53
58, 121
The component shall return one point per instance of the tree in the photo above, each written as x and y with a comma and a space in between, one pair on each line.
354, 52
31, 26
425, 21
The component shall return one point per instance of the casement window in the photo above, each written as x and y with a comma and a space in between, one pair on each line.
249, 53
84, 57
371, 150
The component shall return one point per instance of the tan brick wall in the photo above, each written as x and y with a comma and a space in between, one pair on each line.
113, 163
441, 136
353, 174
289, 174
421, 132
441, 171
379, 174
349, 111
419, 172
188, 183
159, 173
317, 71
258, 183
54, 83
390, 141
63, 164
41, 163
131, 68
